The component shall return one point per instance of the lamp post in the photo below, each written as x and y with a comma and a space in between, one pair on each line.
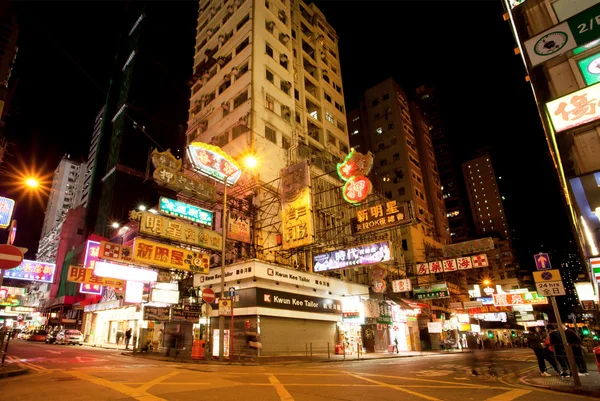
250, 162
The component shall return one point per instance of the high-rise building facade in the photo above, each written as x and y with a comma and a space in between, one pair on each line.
91, 161
405, 167
451, 180
562, 70
484, 196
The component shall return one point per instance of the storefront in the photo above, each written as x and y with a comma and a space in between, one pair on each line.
350, 329
107, 323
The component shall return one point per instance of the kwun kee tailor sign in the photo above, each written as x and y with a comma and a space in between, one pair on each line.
297, 302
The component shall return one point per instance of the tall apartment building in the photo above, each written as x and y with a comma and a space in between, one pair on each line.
405, 167
91, 160
9, 34
451, 180
484, 197
562, 69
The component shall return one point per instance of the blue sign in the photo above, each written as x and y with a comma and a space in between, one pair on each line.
31, 270
232, 292
6, 210
542, 261
186, 211
486, 301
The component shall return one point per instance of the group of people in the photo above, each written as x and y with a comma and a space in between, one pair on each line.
549, 347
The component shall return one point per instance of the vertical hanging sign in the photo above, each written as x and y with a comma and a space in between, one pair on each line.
354, 171
296, 204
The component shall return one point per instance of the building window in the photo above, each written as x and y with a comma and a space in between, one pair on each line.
343, 148
242, 70
238, 130
243, 22
329, 117
269, 50
331, 138
270, 103
404, 245
327, 97
296, 94
339, 107
240, 99
341, 126
242, 45
270, 77
379, 130
285, 142
270, 134
388, 194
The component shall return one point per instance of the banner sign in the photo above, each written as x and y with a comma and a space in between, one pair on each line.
383, 215
180, 315
452, 265
433, 291
158, 254
304, 303
575, 109
92, 250
367, 254
116, 252
157, 314
354, 170
519, 299
296, 206
30, 270
468, 247
186, 211
212, 162
177, 231
489, 309
238, 228
79, 274
7, 206
401, 285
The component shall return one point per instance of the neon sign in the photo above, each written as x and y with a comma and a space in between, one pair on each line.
30, 270
212, 162
92, 251
354, 171
6, 210
185, 211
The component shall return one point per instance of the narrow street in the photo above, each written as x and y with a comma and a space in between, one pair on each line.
99, 374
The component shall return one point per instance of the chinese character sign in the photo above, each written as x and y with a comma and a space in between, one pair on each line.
380, 216
297, 215
30, 270
174, 230
451, 265
212, 162
575, 109
360, 255
116, 252
78, 274
401, 285
168, 173
6, 211
468, 247
528, 298
153, 253
354, 171
238, 228
89, 261
186, 211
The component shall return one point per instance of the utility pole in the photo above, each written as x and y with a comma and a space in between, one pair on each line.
568, 350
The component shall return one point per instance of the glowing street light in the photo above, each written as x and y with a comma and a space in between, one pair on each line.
250, 161
32, 182
115, 225
142, 208
487, 282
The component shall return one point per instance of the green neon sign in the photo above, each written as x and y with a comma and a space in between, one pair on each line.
186, 211
590, 69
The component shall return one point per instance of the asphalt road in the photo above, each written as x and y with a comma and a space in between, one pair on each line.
60, 372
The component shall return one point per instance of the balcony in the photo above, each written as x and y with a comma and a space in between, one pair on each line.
315, 132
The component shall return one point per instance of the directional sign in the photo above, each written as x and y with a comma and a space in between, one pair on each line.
542, 261
547, 275
10, 257
551, 289
208, 295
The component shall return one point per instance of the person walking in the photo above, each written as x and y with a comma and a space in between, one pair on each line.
159, 340
574, 342
559, 350
395, 350
549, 352
127, 338
534, 341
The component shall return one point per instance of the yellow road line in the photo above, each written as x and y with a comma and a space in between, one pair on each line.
121, 388
361, 385
396, 388
466, 385
284, 395
170, 383
538, 389
509, 396
146, 386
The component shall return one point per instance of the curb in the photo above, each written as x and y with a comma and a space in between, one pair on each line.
568, 390
12, 373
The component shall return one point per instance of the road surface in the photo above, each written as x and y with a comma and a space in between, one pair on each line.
60, 372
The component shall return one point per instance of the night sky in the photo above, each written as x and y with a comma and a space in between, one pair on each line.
463, 49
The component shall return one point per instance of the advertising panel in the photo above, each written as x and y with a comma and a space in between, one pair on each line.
433, 291
354, 170
590, 69
296, 206
212, 162
177, 231
401, 285
157, 254
186, 211
30, 270
7, 206
238, 228
168, 173
451, 265
575, 109
367, 254
92, 250
297, 302
155, 313
519, 299
383, 215
78, 274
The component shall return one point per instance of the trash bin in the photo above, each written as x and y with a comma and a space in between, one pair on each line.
597, 357
198, 349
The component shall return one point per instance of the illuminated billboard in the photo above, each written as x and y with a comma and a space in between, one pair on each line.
575, 109
185, 211
212, 162
7, 206
30, 270
590, 69
92, 250
359, 255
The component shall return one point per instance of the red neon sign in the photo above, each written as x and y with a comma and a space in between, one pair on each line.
357, 189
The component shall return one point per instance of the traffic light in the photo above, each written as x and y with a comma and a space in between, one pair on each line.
513, 334
585, 331
490, 334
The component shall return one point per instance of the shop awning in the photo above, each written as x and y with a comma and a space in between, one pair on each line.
500, 326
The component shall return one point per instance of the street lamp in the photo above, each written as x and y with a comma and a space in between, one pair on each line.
32, 182
250, 162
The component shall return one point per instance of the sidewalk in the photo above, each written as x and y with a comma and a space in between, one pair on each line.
184, 357
10, 371
590, 385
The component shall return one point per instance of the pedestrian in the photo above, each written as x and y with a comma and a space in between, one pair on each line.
574, 342
127, 338
395, 350
559, 350
534, 340
159, 340
549, 354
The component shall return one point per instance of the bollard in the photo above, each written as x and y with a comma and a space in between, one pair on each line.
311, 352
306, 350
358, 351
344, 349
328, 354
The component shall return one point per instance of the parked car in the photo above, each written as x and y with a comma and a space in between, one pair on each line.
37, 335
51, 337
69, 337
24, 335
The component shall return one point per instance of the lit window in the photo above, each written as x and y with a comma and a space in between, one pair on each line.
355, 132
379, 131
329, 117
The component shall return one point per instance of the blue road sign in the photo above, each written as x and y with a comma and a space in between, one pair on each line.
542, 261
231, 292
